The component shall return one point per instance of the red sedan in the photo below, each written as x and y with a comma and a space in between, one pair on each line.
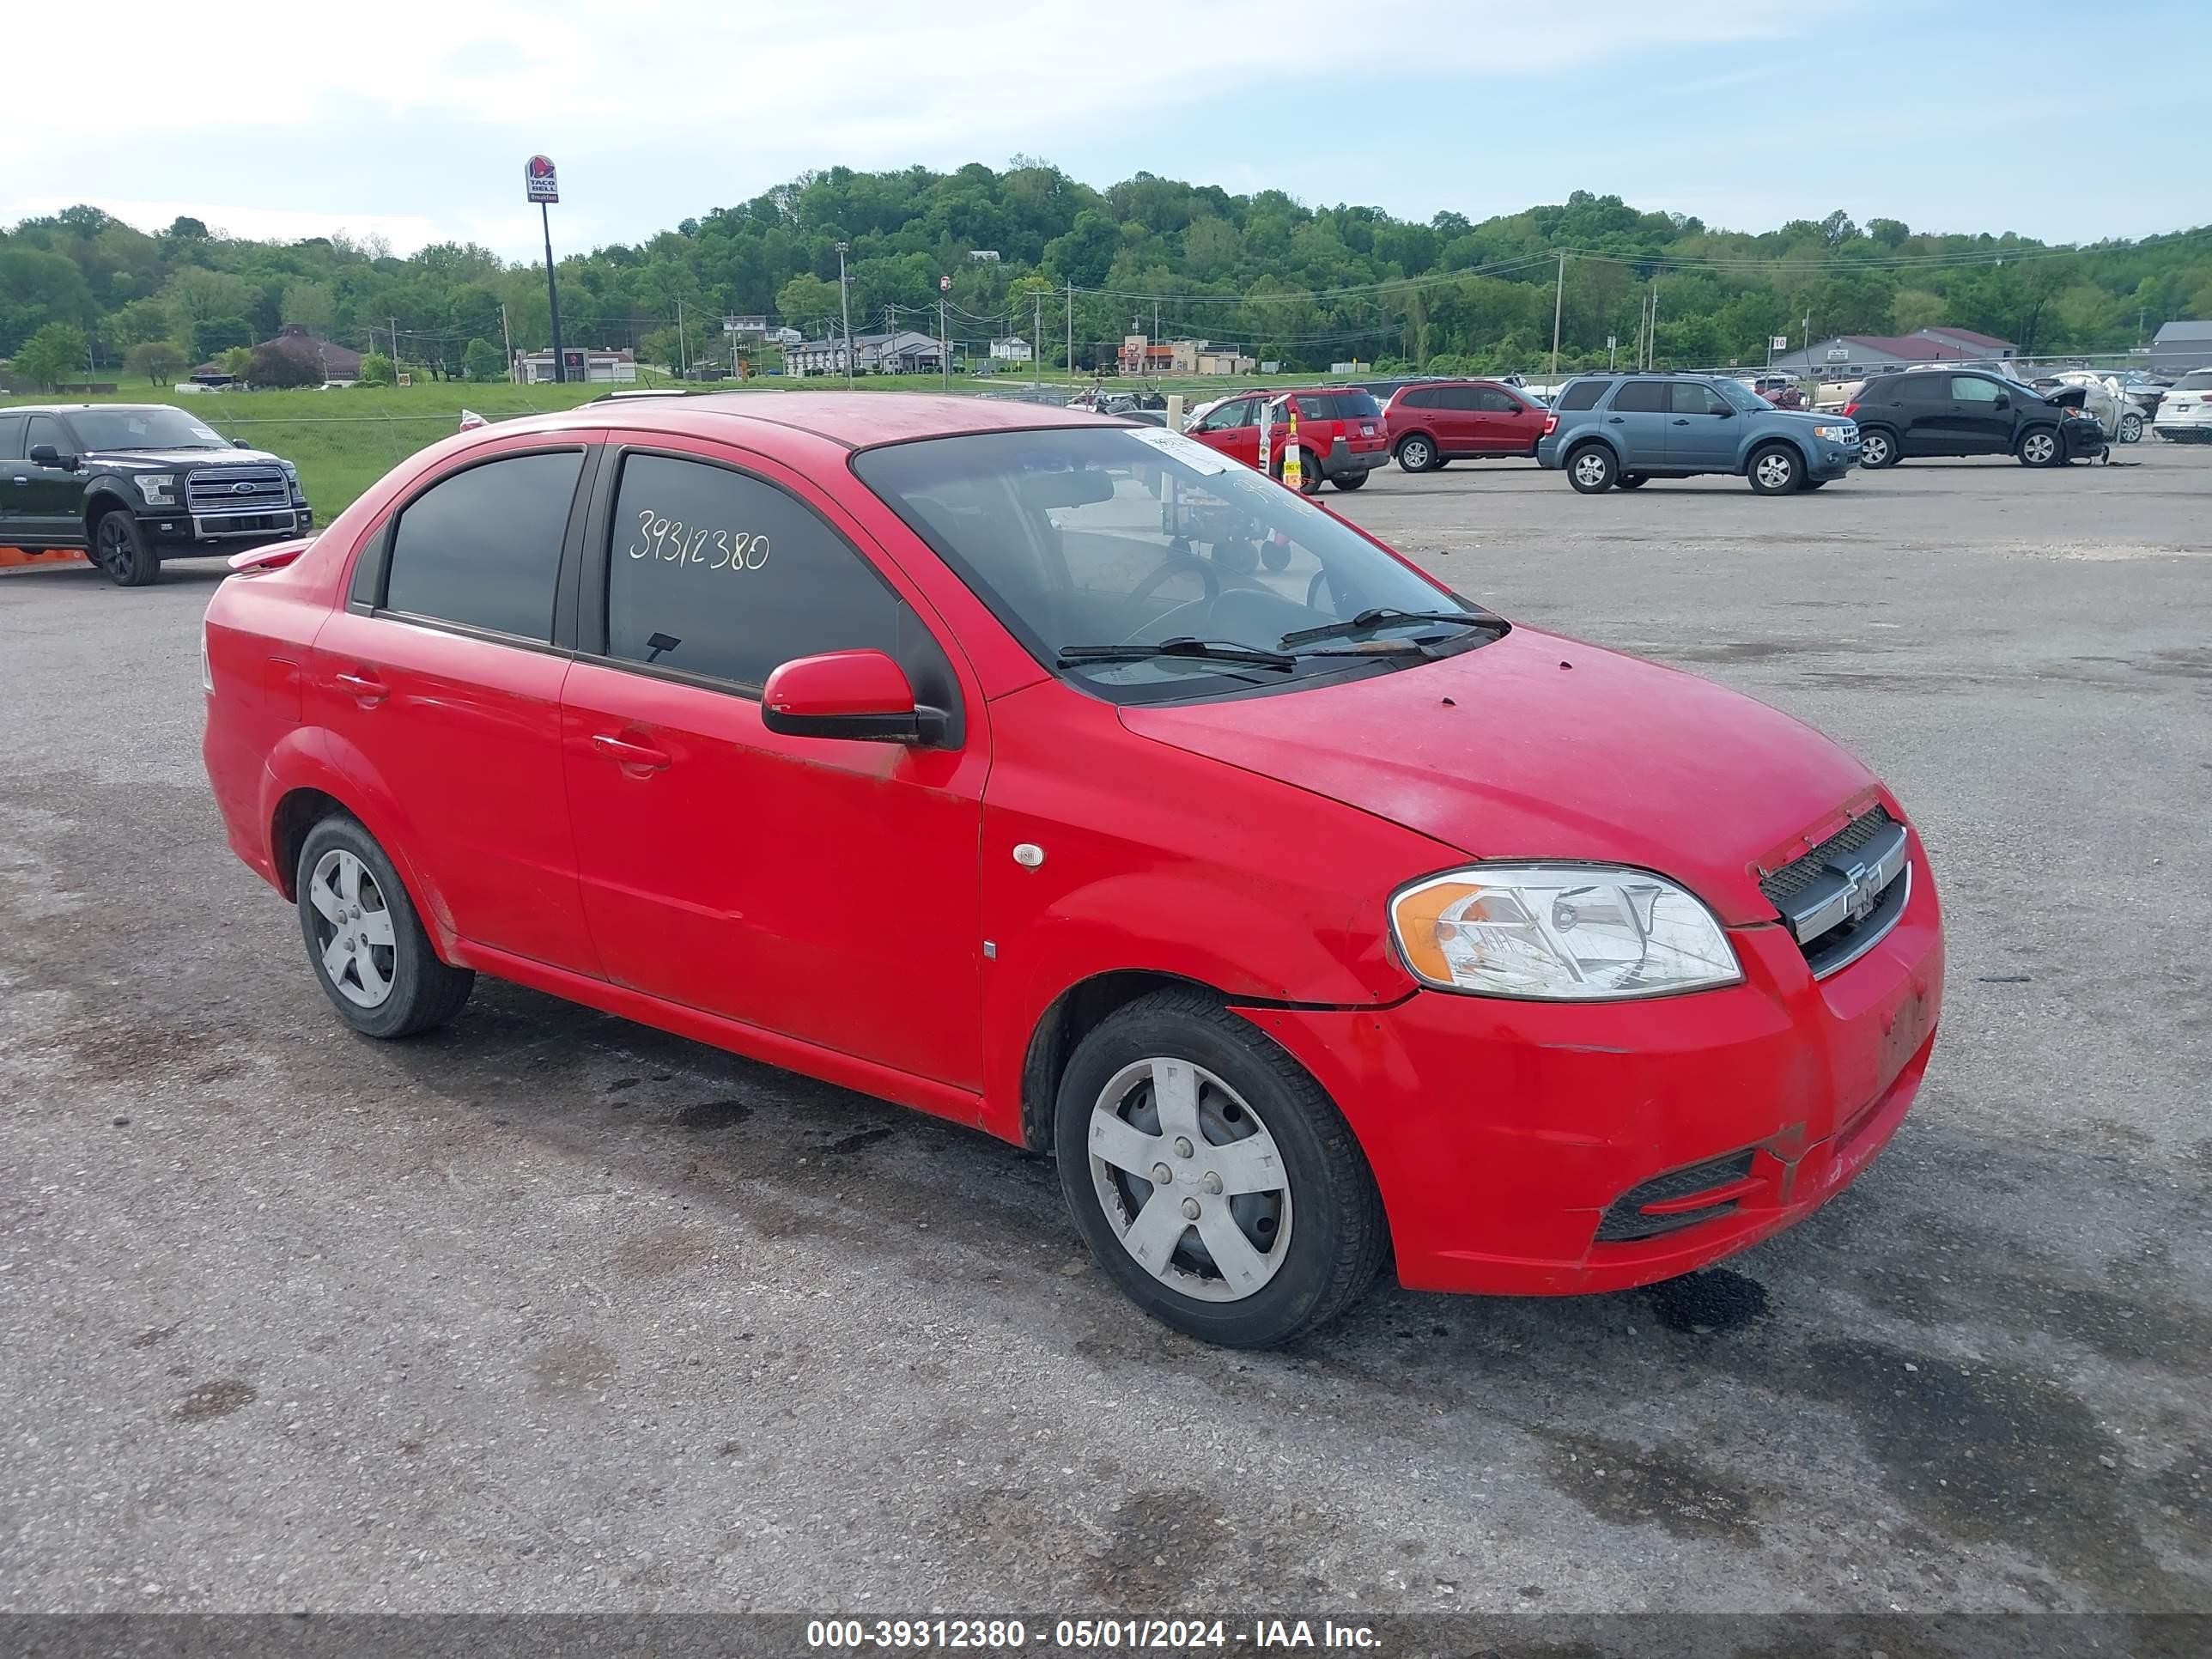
1063, 778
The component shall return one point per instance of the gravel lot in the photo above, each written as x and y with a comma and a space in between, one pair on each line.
551, 1312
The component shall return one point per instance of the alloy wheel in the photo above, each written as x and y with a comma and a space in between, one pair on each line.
1775, 471
111, 545
1590, 468
1190, 1180
2038, 449
1873, 450
353, 928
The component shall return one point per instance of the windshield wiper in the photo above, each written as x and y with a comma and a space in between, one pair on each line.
1386, 616
1198, 650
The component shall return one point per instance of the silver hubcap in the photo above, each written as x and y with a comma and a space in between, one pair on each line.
2040, 448
1775, 471
1417, 455
1589, 469
353, 928
1875, 450
1190, 1180
2131, 429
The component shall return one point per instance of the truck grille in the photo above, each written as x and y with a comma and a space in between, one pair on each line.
212, 489
1840, 898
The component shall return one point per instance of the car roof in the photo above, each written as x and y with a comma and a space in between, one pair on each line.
856, 419
75, 408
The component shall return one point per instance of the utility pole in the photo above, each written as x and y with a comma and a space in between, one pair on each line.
1071, 328
943, 342
683, 365
1156, 328
1037, 341
394, 321
1654, 322
845, 310
1558, 299
506, 340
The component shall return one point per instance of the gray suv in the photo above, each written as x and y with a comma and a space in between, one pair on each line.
1627, 429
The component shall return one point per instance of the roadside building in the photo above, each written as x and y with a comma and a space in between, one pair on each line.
1141, 355
337, 365
1853, 356
590, 363
1011, 349
2179, 347
904, 351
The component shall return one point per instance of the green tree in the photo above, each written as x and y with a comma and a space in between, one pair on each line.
482, 361
139, 322
803, 303
159, 361
54, 354
217, 335
237, 362
310, 305
376, 370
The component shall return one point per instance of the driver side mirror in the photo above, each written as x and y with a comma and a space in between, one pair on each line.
2002, 402
860, 695
1725, 412
47, 455
241, 443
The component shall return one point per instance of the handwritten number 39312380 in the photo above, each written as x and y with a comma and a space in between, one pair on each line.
673, 542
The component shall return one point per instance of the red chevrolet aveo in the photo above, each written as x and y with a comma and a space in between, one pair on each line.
1071, 781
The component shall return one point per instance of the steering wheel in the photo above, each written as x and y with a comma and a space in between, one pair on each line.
1175, 564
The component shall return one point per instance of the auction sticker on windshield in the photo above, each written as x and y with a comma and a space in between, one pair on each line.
1192, 454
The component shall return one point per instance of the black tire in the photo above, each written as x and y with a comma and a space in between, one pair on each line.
1417, 452
1591, 469
2041, 445
1352, 481
1337, 1238
1775, 469
1877, 448
121, 551
1632, 480
424, 992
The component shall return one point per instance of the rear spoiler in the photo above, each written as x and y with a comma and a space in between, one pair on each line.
275, 556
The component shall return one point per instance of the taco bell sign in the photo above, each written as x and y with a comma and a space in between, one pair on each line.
540, 183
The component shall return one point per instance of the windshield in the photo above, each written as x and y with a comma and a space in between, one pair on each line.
1106, 536
1746, 400
143, 429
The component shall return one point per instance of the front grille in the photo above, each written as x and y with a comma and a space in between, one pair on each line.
236, 490
1624, 1219
1840, 898
1794, 877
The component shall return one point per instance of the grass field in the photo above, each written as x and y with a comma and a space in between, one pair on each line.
344, 441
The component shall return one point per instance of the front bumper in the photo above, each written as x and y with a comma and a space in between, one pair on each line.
1502, 1132
182, 533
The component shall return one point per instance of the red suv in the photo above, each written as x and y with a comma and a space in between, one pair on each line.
1440, 420
1341, 435
1056, 775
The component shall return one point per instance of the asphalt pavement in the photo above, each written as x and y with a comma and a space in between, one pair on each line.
551, 1312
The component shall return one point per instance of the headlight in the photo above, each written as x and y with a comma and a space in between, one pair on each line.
1842, 435
292, 474
1569, 933
153, 488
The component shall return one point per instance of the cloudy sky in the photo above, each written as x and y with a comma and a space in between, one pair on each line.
412, 118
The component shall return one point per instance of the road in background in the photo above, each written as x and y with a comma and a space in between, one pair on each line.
552, 1311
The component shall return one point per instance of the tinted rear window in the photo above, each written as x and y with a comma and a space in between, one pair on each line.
1338, 406
1642, 396
1582, 394
483, 546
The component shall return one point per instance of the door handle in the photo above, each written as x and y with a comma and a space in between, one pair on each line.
367, 687
1685, 421
21, 479
1616, 420
625, 753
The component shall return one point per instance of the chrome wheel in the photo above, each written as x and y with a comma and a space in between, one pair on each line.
1415, 456
353, 928
1189, 1179
1775, 471
2037, 448
1873, 450
2131, 428
1589, 469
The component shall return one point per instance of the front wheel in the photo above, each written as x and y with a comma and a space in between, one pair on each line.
2041, 447
2131, 427
364, 940
1877, 450
1591, 469
1212, 1180
1416, 454
1776, 471
121, 550
1352, 481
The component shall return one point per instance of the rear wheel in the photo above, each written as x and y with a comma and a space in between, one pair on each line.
1416, 454
364, 940
2131, 427
2040, 446
1776, 470
1591, 469
1877, 449
1212, 1180
1633, 480
120, 548
1352, 481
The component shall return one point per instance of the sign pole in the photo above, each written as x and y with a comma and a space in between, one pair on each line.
541, 185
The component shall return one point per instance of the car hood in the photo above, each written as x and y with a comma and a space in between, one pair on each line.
183, 457
1540, 747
